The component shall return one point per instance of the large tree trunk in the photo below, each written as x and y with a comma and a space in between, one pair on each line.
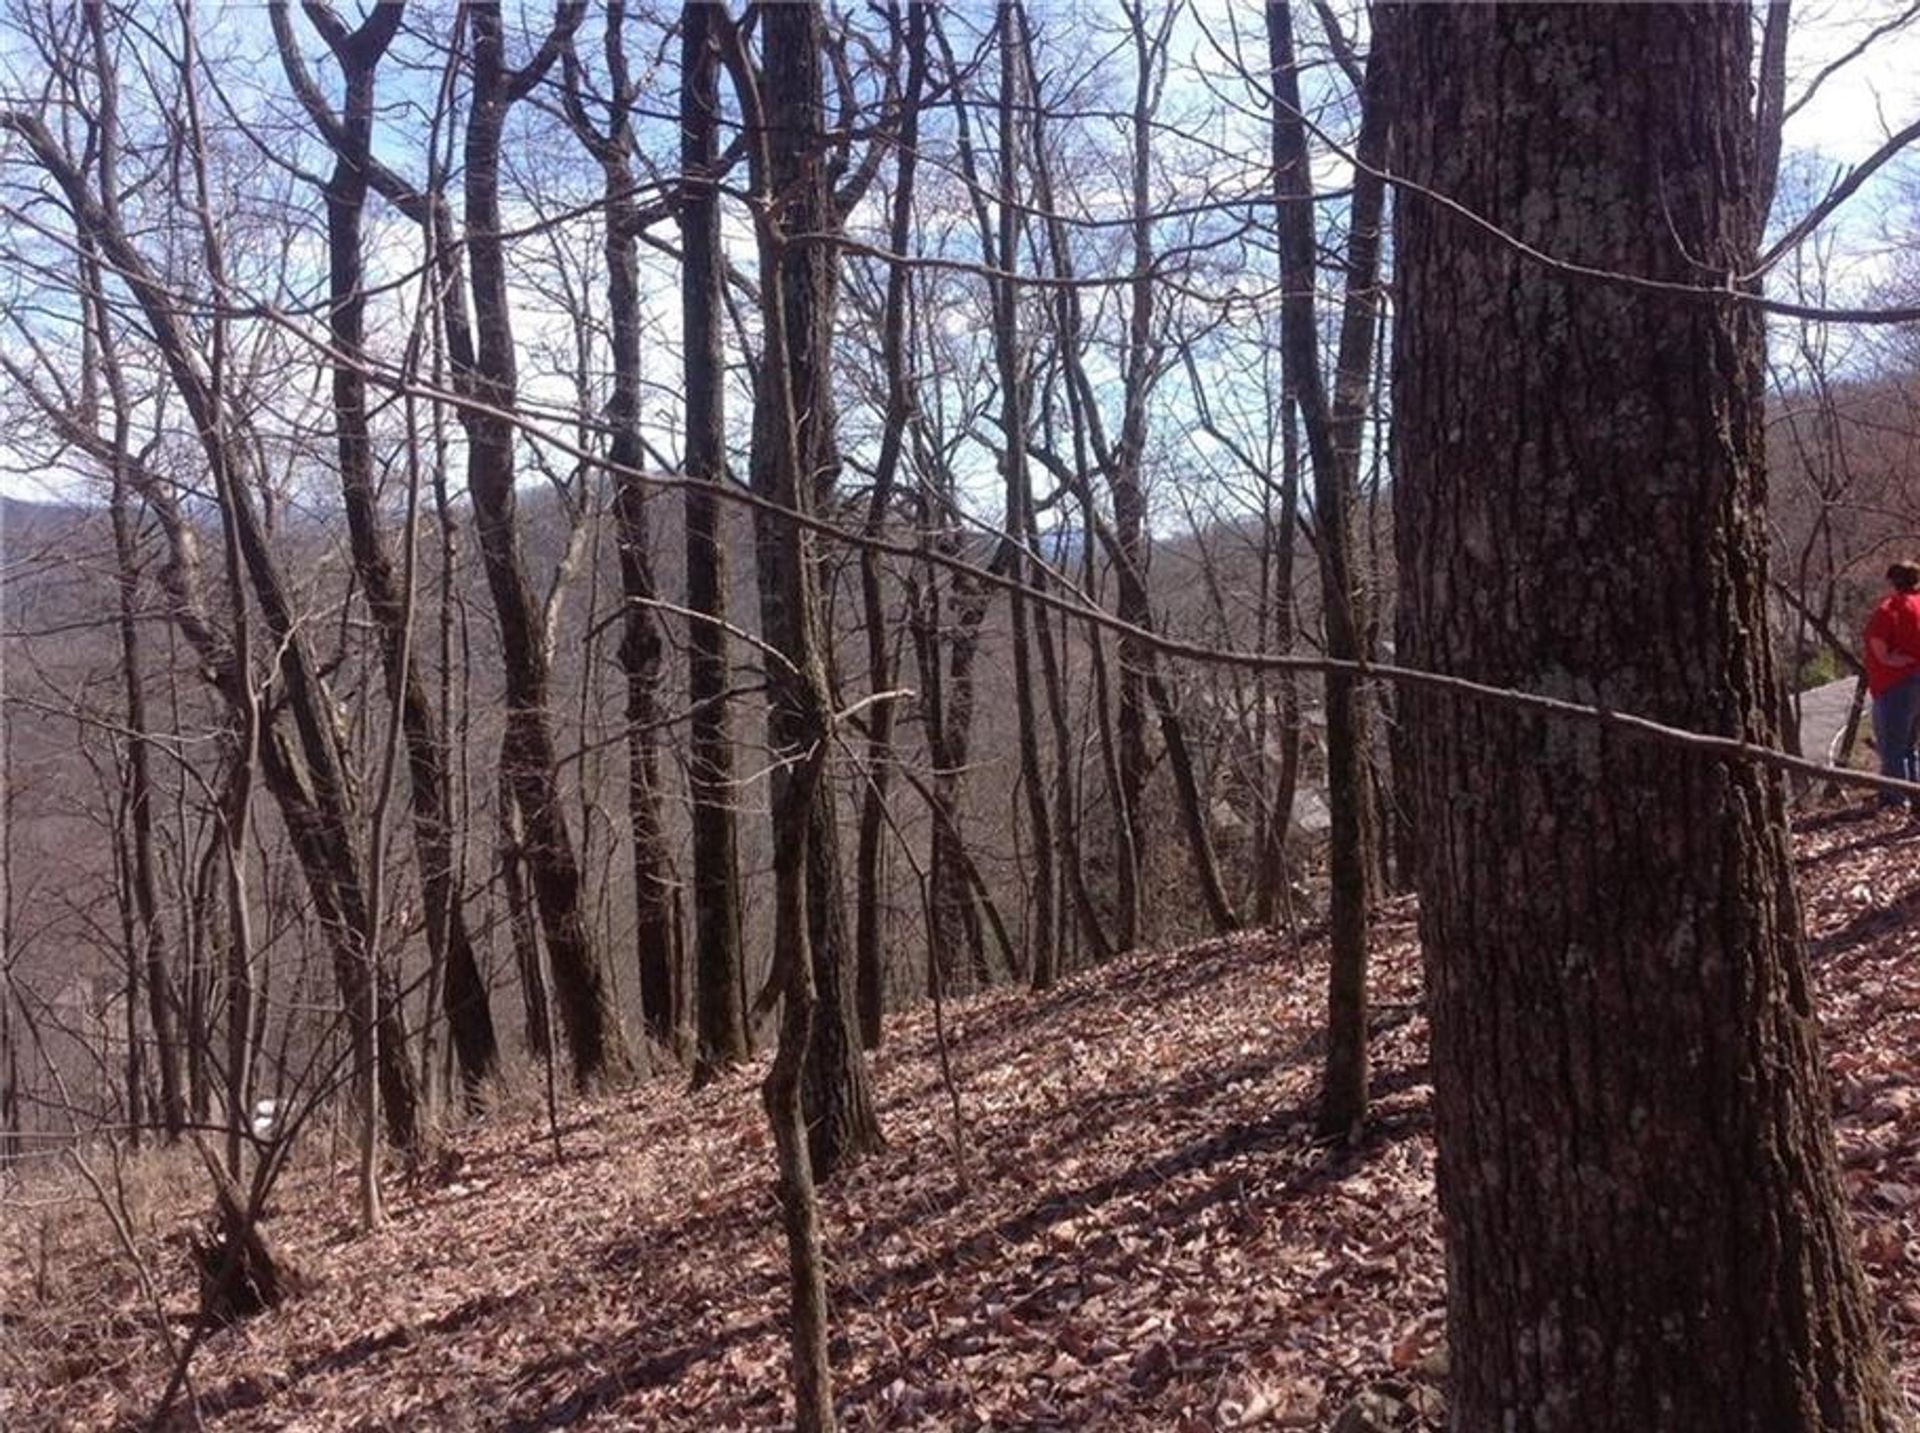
587, 1009
1645, 1226
841, 1124
720, 1017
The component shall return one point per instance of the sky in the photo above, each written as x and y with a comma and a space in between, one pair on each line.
1875, 94
1848, 115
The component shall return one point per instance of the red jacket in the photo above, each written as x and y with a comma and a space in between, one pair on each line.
1895, 623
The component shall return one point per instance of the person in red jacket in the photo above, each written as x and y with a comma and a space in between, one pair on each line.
1893, 676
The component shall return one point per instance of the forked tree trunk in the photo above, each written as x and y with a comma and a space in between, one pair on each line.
1644, 1219
429, 790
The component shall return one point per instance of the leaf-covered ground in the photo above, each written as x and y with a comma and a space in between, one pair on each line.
1145, 1234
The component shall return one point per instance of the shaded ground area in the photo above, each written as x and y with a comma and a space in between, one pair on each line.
1145, 1235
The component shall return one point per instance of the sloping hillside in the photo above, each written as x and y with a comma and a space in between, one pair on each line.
1140, 1234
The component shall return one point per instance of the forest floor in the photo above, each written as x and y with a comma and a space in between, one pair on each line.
1145, 1234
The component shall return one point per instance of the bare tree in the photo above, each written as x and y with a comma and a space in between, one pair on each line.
1333, 447
871, 865
305, 775
656, 906
349, 134
592, 1022
784, 122
841, 1124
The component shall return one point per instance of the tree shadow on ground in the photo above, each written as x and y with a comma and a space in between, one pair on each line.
1255, 1169
251, 1392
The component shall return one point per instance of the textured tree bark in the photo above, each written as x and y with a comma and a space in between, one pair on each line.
720, 1016
841, 1123
949, 630
587, 1011
523, 932
1645, 1226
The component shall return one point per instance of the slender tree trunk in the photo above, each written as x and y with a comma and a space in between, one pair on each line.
149, 928
786, 120
203, 965
587, 1009
871, 867
720, 1017
655, 886
1644, 1217
1066, 802
133, 1082
523, 931
12, 1132
1014, 559
1271, 878
1343, 1095
841, 1123
946, 707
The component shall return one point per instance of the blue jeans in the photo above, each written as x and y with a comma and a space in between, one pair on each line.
1895, 713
